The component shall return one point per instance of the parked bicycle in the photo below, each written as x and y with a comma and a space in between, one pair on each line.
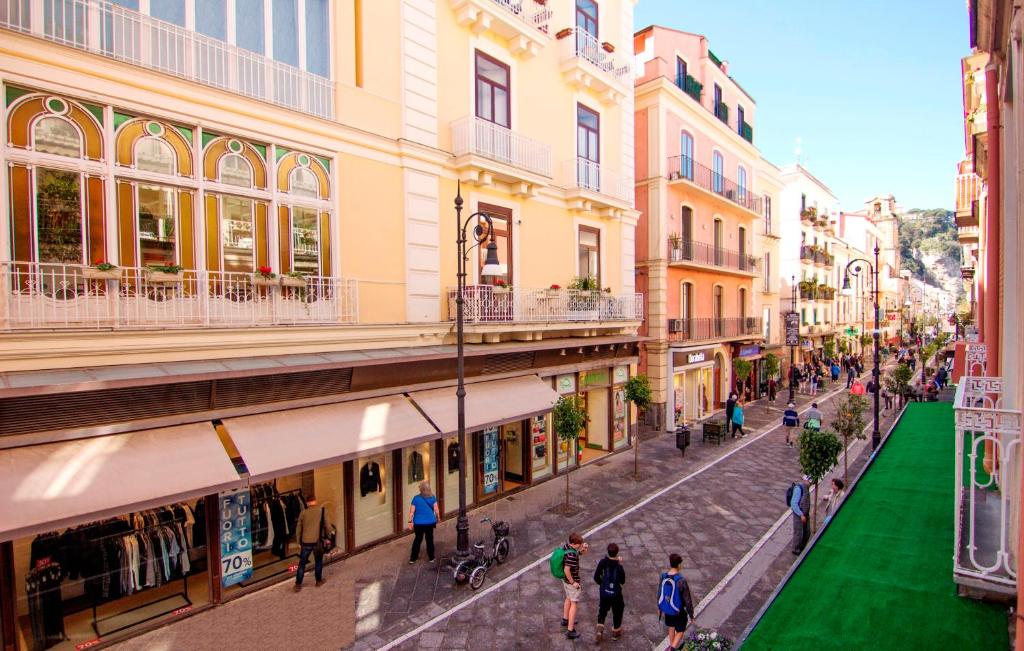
474, 570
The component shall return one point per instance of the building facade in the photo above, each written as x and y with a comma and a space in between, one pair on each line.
700, 213
228, 252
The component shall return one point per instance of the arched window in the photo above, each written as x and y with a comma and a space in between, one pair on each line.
717, 173
55, 135
304, 183
686, 233
154, 155
741, 182
235, 170
686, 156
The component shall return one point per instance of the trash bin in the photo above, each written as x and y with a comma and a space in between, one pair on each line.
682, 438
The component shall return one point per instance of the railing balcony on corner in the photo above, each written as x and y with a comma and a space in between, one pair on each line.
807, 252
473, 135
705, 328
113, 31
487, 304
588, 175
585, 46
44, 295
686, 168
531, 12
690, 86
968, 190
987, 478
680, 250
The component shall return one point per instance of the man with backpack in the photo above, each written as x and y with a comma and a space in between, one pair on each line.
565, 565
674, 601
610, 575
814, 417
798, 499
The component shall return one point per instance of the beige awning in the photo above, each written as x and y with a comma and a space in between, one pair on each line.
56, 485
292, 440
487, 403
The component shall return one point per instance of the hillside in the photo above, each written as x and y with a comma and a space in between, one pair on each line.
929, 247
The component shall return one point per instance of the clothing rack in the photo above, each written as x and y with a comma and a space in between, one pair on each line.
294, 491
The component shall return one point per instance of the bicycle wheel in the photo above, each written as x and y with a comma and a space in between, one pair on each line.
501, 551
476, 579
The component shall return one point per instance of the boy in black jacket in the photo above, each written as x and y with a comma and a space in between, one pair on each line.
610, 575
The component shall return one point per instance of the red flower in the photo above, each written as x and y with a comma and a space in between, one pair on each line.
499, 283
264, 270
556, 287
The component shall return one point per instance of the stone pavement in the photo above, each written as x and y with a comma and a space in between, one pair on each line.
712, 520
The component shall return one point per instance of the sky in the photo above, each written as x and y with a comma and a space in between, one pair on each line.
871, 87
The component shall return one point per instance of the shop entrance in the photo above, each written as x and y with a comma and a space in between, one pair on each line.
594, 442
514, 453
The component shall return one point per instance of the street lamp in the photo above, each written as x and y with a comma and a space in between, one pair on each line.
792, 348
906, 306
492, 267
876, 437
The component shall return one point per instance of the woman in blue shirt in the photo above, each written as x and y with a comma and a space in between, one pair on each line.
423, 516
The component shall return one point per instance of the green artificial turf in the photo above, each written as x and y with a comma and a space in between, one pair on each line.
881, 576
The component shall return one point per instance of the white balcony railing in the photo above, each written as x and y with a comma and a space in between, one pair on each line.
583, 45
110, 30
486, 304
473, 135
530, 12
40, 295
590, 176
987, 477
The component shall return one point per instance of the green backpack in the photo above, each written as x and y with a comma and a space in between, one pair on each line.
558, 563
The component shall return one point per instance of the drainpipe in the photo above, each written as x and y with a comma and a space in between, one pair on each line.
990, 293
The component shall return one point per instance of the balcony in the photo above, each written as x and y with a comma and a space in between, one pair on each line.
709, 328
523, 24
816, 329
485, 151
747, 132
809, 292
690, 86
987, 445
47, 296
593, 188
807, 253
110, 30
684, 169
722, 112
587, 65
689, 253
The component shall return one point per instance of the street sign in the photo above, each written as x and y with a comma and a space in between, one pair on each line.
792, 329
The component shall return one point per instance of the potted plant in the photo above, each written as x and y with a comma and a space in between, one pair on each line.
675, 241
554, 290
264, 277
101, 270
584, 299
562, 33
607, 47
500, 287
163, 273
293, 279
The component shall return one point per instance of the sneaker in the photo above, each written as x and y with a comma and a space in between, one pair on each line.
565, 623
433, 560
600, 633
412, 562
572, 634
616, 634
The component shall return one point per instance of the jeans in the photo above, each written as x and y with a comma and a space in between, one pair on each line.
736, 427
616, 605
801, 530
421, 531
318, 562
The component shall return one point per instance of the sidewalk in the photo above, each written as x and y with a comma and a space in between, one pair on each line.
712, 519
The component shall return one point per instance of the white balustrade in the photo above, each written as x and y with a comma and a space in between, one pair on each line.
46, 296
585, 46
987, 452
473, 135
116, 32
588, 175
487, 304
530, 12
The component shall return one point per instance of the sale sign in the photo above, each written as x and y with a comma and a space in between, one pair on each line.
235, 537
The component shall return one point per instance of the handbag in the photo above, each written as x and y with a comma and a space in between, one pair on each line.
328, 535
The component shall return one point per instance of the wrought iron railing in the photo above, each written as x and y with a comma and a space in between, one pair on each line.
113, 31
680, 250
533, 13
488, 304
473, 135
722, 112
747, 132
687, 169
704, 328
43, 295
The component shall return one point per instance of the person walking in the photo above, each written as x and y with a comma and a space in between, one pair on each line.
851, 375
835, 371
799, 501
814, 382
887, 397
571, 582
834, 497
790, 419
309, 532
675, 601
423, 517
773, 389
730, 405
814, 417
737, 419
942, 375
610, 575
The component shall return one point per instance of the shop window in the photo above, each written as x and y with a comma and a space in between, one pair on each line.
237, 234
450, 472
418, 465
540, 446
153, 155
619, 438
374, 499
55, 135
59, 216
157, 231
235, 170
305, 241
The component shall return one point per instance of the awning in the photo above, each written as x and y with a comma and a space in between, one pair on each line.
56, 485
487, 403
292, 440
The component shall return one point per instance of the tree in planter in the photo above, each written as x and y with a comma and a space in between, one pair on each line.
569, 418
741, 371
866, 340
772, 366
819, 453
897, 382
849, 422
638, 392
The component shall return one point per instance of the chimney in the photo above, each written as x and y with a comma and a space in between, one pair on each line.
725, 67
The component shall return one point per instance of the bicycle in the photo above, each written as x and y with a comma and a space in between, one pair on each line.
474, 570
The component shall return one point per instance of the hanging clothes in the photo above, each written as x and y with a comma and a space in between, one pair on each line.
370, 479
45, 605
453, 458
415, 467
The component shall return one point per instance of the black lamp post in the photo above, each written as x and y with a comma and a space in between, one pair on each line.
876, 437
792, 348
492, 267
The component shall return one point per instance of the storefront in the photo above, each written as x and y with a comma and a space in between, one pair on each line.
692, 384
605, 402
751, 386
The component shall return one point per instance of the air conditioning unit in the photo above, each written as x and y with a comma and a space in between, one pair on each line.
675, 325
730, 195
673, 176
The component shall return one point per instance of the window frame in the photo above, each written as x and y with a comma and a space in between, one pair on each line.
498, 214
740, 117
717, 172
686, 160
479, 79
580, 247
588, 18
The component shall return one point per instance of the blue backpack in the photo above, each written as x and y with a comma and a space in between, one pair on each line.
670, 599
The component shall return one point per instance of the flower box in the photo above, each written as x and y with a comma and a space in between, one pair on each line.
497, 289
162, 276
259, 280
292, 281
607, 47
562, 33
552, 293
92, 273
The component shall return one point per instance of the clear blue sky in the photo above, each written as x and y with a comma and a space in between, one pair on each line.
871, 87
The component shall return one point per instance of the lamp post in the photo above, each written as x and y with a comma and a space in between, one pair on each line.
876, 437
492, 267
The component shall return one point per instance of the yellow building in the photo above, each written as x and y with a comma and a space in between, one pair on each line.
227, 269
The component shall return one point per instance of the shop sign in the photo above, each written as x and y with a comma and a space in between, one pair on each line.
235, 537
619, 415
749, 351
792, 328
565, 383
491, 451
596, 378
620, 374
685, 358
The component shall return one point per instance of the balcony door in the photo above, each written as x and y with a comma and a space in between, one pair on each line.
586, 30
686, 156
686, 233
588, 148
717, 310
589, 251
491, 135
742, 237
718, 243
501, 220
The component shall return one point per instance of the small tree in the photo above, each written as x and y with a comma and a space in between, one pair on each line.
638, 392
819, 453
741, 369
849, 422
569, 418
844, 346
897, 382
866, 340
830, 348
771, 364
